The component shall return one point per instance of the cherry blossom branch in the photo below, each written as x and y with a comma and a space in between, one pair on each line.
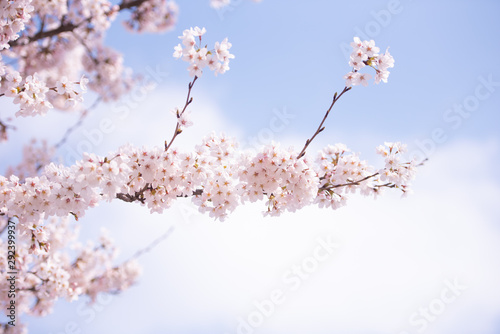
178, 129
69, 26
138, 195
321, 127
66, 27
353, 183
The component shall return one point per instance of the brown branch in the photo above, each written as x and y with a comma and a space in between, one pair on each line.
131, 4
69, 26
138, 196
358, 182
65, 27
353, 183
321, 127
388, 185
189, 99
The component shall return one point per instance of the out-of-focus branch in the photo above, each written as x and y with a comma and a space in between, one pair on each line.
3, 130
65, 27
69, 26
152, 245
79, 123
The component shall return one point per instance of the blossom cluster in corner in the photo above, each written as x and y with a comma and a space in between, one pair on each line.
13, 16
47, 272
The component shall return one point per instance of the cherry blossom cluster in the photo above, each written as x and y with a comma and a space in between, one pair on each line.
153, 16
215, 172
216, 177
32, 94
365, 53
340, 168
14, 14
53, 10
395, 172
343, 173
67, 270
108, 75
199, 57
29, 93
275, 174
98, 13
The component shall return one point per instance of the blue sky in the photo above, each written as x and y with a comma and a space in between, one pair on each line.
289, 54
395, 256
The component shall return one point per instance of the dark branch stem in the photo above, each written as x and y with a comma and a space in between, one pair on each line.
138, 196
353, 183
69, 26
321, 127
189, 99
49, 33
131, 4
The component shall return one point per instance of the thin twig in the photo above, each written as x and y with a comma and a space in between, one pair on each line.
353, 183
321, 127
189, 99
79, 123
152, 245
423, 162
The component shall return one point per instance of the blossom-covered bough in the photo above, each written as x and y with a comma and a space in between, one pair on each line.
42, 199
47, 45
